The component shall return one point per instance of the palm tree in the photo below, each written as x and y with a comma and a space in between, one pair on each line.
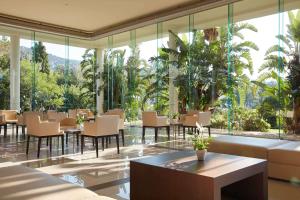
284, 59
89, 70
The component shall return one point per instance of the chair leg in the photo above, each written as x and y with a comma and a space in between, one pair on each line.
122, 134
5, 130
17, 131
50, 144
109, 139
118, 146
102, 143
156, 132
144, 131
106, 141
67, 138
27, 146
96, 141
0, 129
168, 132
63, 144
39, 147
47, 141
82, 143
209, 131
183, 128
77, 138
23, 130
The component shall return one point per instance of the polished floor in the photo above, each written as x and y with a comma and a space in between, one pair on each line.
107, 175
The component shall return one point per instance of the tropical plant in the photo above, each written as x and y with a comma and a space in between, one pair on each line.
40, 57
88, 87
281, 59
198, 140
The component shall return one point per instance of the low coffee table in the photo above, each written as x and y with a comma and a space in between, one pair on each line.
180, 176
73, 131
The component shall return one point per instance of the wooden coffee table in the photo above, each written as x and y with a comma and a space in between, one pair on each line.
180, 176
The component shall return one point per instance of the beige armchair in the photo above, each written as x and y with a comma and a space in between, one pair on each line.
42, 129
3, 123
22, 120
103, 127
151, 120
202, 118
121, 114
10, 116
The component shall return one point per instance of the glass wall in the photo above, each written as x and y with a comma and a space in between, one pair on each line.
239, 61
4, 71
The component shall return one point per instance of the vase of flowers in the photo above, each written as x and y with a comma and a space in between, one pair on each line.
79, 121
200, 143
174, 117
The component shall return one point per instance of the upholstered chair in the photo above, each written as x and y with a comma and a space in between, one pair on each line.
151, 120
3, 124
103, 127
10, 116
43, 129
121, 114
202, 118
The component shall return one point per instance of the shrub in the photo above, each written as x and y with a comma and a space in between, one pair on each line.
252, 121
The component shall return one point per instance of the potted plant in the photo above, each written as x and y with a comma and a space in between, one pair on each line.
174, 117
200, 143
79, 120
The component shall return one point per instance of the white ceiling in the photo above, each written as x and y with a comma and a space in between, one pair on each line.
88, 15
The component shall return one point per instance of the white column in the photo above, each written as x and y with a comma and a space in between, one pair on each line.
15, 72
173, 72
100, 95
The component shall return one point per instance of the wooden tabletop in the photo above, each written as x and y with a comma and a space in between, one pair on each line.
215, 165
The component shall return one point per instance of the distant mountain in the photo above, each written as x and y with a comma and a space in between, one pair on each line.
54, 61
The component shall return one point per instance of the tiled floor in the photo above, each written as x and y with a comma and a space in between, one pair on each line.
107, 175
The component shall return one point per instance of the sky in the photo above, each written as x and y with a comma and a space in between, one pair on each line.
264, 38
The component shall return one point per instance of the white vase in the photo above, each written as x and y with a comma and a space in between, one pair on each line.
201, 154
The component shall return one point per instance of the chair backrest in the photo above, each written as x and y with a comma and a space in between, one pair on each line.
72, 113
116, 111
149, 118
290, 114
107, 124
32, 123
9, 114
29, 114
51, 115
68, 122
204, 118
193, 112
56, 116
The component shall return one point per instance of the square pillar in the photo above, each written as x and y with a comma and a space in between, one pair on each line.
173, 72
15, 72
99, 82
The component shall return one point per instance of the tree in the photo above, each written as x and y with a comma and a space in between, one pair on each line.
203, 65
284, 58
40, 57
88, 87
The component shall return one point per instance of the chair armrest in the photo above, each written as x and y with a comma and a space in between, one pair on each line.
162, 121
20, 120
2, 119
190, 120
49, 128
89, 128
